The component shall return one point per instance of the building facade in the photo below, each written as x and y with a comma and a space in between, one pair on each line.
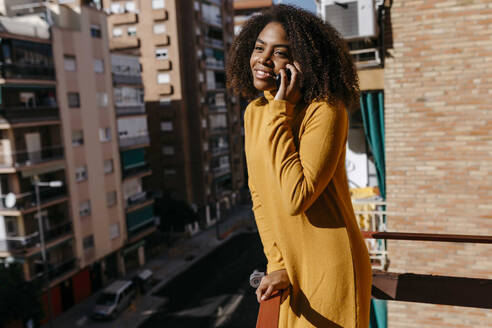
64, 121
195, 150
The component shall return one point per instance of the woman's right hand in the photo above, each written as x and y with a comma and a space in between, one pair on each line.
277, 280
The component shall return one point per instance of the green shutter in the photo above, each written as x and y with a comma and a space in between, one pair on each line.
139, 218
133, 158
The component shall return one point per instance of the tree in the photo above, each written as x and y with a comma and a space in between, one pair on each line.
19, 299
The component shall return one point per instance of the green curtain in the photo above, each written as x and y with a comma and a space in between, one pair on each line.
372, 109
379, 314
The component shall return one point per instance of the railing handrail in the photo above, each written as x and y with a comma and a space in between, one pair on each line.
415, 236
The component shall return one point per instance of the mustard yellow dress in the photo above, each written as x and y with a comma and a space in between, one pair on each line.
296, 164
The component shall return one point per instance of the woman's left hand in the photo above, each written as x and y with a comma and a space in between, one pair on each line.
289, 91
277, 280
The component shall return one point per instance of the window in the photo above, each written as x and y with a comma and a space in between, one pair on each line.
159, 28
114, 231
166, 126
163, 78
161, 53
73, 100
117, 32
69, 63
95, 31
130, 7
88, 242
158, 4
168, 150
103, 99
169, 171
111, 198
131, 30
205, 146
77, 138
81, 173
108, 166
116, 8
85, 208
104, 134
98, 65
204, 123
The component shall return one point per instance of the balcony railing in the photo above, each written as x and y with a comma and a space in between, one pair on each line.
134, 141
17, 244
129, 110
216, 151
124, 43
214, 42
127, 79
212, 63
135, 170
125, 18
57, 270
371, 215
24, 114
28, 200
139, 198
25, 158
16, 71
221, 170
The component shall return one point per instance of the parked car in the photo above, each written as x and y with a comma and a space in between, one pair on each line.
114, 299
143, 280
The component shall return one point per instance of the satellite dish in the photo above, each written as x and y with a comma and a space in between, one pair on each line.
10, 200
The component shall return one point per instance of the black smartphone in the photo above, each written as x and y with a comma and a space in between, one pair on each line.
278, 79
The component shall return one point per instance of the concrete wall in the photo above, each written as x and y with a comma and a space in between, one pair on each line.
90, 117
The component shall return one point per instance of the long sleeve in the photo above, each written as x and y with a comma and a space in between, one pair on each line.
270, 248
303, 175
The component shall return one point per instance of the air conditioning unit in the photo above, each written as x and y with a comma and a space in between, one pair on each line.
352, 18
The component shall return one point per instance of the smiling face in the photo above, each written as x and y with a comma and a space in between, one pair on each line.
270, 54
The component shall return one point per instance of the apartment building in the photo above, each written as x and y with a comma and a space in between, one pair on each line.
195, 149
59, 124
425, 74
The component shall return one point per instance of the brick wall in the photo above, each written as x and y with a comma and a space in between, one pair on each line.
438, 117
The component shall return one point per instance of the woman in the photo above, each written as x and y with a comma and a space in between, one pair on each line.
295, 150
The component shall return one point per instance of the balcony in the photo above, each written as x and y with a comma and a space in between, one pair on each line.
160, 14
165, 89
16, 115
162, 40
125, 18
142, 140
26, 159
140, 219
133, 162
22, 244
127, 79
27, 201
221, 170
31, 72
130, 110
219, 151
216, 43
122, 43
138, 199
163, 65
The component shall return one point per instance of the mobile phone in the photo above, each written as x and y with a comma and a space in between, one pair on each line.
278, 79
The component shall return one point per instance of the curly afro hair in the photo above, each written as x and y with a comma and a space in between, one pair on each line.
328, 71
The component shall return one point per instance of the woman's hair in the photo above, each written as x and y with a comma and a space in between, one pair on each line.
328, 72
